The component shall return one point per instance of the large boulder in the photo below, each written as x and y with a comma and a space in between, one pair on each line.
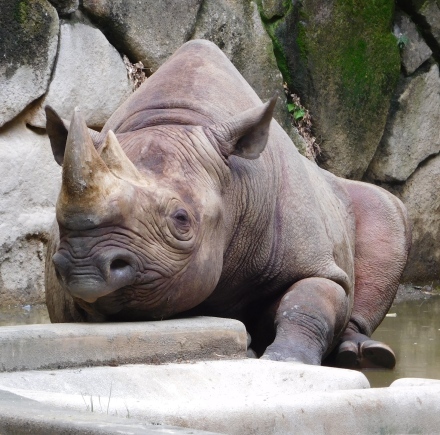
89, 73
421, 195
342, 59
28, 191
149, 30
29, 37
412, 130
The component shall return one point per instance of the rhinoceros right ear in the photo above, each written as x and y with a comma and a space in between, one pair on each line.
57, 129
246, 134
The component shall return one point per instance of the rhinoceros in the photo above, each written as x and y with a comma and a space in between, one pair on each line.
192, 200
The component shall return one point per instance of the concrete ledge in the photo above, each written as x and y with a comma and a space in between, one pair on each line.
240, 397
19, 415
367, 411
416, 382
31, 347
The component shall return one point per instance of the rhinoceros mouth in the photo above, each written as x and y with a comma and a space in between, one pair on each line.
129, 303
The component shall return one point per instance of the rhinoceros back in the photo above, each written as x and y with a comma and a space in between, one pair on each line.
198, 85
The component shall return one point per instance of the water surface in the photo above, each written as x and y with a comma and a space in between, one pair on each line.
414, 335
23, 315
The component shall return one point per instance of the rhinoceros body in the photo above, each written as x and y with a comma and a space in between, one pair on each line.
192, 201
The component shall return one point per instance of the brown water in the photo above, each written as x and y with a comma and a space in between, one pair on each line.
23, 315
413, 333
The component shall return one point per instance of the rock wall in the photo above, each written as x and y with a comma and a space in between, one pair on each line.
367, 71
407, 160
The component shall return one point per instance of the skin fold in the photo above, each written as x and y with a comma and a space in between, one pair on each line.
193, 201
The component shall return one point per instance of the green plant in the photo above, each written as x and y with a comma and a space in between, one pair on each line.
302, 120
296, 111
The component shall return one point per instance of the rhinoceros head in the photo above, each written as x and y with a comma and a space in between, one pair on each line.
144, 238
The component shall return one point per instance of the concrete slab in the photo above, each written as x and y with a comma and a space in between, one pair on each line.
19, 415
224, 396
235, 397
30, 347
367, 411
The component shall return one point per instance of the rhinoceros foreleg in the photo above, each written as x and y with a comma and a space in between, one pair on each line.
382, 244
308, 320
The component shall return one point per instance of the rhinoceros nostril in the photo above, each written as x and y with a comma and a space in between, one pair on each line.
118, 264
59, 263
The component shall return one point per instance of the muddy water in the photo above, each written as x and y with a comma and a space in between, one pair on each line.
414, 335
412, 329
23, 315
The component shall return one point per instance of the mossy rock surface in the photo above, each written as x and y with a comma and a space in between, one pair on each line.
341, 58
25, 31
29, 38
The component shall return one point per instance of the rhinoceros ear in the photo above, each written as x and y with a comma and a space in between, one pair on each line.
57, 129
246, 134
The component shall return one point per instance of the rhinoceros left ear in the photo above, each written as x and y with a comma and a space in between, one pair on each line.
246, 134
57, 129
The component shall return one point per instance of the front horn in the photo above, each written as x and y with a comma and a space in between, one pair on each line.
87, 182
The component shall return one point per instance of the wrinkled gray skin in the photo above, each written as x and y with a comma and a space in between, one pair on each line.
199, 204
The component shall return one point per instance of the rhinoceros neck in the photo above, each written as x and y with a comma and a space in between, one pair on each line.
157, 116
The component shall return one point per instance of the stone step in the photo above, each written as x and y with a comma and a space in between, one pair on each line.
31, 347
235, 396
240, 397
19, 415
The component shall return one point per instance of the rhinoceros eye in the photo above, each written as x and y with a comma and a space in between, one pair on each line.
180, 225
181, 216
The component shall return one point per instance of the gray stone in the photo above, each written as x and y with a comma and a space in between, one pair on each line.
149, 30
89, 73
412, 131
65, 7
415, 51
421, 195
28, 191
31, 347
29, 37
237, 397
235, 26
429, 11
19, 415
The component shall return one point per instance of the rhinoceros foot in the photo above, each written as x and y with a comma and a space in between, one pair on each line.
348, 354
377, 354
361, 352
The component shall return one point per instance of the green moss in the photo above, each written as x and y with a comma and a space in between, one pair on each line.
279, 53
354, 51
271, 26
301, 41
21, 11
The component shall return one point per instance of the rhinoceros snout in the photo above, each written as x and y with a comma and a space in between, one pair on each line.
96, 276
